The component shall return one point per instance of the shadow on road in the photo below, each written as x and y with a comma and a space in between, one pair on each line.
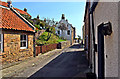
75, 46
68, 64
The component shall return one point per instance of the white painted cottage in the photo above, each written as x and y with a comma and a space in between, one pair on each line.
65, 29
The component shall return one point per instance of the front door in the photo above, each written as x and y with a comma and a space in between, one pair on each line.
101, 64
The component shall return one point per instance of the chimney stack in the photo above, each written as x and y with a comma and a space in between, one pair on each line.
66, 20
63, 16
25, 9
45, 20
9, 3
38, 17
56, 22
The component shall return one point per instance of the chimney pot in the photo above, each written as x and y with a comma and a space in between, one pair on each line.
45, 20
66, 20
25, 9
38, 17
63, 16
9, 3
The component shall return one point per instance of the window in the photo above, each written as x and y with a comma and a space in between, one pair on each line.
58, 32
67, 25
23, 41
1, 42
68, 32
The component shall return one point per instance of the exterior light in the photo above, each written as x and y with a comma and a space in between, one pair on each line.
107, 28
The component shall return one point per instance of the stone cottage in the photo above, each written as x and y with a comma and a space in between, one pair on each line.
16, 35
103, 18
65, 30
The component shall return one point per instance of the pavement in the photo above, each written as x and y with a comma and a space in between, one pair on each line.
69, 62
31, 65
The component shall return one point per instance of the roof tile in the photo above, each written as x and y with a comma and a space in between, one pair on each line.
3, 3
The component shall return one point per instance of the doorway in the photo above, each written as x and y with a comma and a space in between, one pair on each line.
101, 63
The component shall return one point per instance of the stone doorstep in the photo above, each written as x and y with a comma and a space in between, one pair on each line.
27, 62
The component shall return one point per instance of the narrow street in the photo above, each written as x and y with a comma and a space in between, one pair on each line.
71, 63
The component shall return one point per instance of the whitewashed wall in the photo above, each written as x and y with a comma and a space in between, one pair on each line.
64, 34
108, 11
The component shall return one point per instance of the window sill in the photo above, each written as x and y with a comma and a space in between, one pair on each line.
23, 47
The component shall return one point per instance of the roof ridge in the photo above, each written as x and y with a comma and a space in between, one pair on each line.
17, 9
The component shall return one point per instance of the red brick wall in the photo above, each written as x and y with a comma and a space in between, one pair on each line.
45, 48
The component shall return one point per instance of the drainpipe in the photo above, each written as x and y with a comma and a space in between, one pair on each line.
93, 42
93, 32
34, 51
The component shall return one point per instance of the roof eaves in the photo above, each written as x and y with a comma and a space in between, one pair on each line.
4, 7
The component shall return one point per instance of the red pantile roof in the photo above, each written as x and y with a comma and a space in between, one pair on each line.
10, 20
22, 12
18, 10
3, 3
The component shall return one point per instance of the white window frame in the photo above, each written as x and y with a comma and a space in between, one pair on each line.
23, 41
1, 42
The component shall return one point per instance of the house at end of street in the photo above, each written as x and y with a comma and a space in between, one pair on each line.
17, 35
65, 30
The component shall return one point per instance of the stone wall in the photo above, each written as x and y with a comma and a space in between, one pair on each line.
12, 51
72, 37
64, 44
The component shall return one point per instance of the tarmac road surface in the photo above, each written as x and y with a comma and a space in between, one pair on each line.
71, 63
